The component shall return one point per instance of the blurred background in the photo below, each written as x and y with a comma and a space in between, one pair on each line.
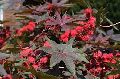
111, 8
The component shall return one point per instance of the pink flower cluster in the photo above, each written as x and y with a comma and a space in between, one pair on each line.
114, 76
107, 58
98, 64
84, 30
7, 77
30, 55
65, 37
29, 27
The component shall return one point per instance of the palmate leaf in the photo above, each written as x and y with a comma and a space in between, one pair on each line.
102, 39
12, 4
113, 36
116, 37
46, 49
100, 31
54, 59
65, 53
38, 18
52, 43
42, 8
70, 42
54, 4
65, 21
4, 56
62, 21
2, 71
70, 65
110, 32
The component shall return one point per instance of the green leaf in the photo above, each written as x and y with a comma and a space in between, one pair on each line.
99, 16
65, 53
4, 56
2, 71
52, 43
67, 73
70, 42
82, 58
108, 20
100, 31
70, 65
54, 59
45, 49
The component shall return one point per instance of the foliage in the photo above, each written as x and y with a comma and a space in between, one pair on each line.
52, 40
